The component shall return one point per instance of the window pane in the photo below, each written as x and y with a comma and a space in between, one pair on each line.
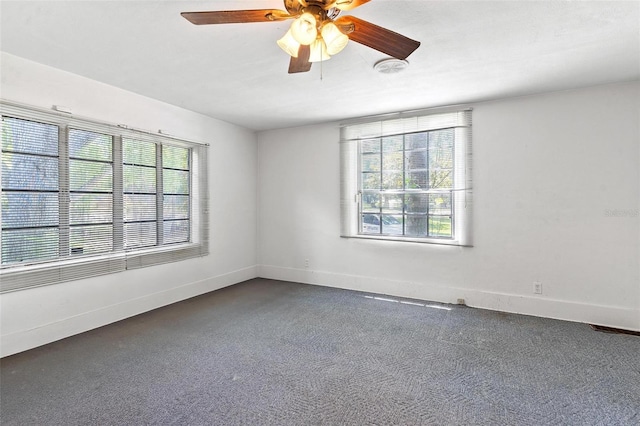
392, 225
416, 180
90, 176
137, 152
90, 208
416, 160
29, 137
394, 143
21, 171
175, 157
36, 169
140, 188
416, 225
139, 207
176, 207
392, 161
392, 180
90, 239
370, 162
29, 244
371, 180
138, 235
440, 204
370, 202
371, 223
176, 231
441, 149
89, 145
440, 226
139, 179
441, 179
370, 145
415, 141
417, 203
175, 182
29, 209
392, 203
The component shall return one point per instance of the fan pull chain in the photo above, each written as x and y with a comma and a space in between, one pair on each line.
321, 61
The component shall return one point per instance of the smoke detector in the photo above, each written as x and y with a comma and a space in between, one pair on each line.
390, 66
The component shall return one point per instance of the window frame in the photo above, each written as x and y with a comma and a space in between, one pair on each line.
16, 276
353, 133
381, 192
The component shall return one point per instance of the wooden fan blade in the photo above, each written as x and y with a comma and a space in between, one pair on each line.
301, 63
235, 16
378, 38
349, 4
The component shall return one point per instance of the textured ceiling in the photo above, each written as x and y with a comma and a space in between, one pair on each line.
471, 51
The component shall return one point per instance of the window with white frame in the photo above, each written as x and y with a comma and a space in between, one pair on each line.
82, 198
408, 177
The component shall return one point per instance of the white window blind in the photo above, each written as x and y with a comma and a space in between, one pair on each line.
175, 187
30, 190
408, 177
82, 198
140, 189
90, 204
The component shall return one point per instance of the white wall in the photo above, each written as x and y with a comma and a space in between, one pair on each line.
547, 169
37, 316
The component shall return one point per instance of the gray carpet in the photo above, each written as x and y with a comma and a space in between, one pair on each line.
274, 353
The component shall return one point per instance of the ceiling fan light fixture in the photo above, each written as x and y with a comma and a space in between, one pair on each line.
305, 29
319, 51
317, 31
334, 38
289, 44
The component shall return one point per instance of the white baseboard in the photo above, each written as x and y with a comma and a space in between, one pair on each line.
610, 316
51, 332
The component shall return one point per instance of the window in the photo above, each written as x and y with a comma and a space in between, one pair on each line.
30, 191
81, 198
140, 188
408, 178
90, 209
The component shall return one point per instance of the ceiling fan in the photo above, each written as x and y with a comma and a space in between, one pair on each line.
316, 32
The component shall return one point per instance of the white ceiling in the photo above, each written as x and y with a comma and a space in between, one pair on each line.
471, 51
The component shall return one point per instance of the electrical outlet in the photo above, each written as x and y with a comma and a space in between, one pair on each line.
306, 263
537, 287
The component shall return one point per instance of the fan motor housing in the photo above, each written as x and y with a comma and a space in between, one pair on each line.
296, 7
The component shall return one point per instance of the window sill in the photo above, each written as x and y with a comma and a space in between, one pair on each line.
434, 241
23, 276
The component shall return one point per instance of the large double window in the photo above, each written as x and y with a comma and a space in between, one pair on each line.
81, 198
408, 178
